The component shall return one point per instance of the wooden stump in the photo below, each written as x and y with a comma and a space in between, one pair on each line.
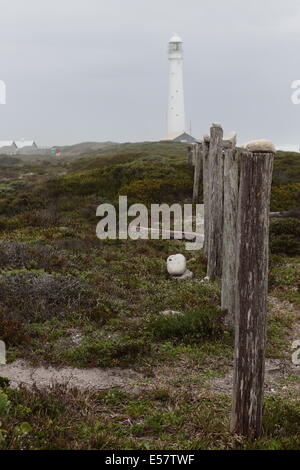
190, 155
229, 229
193, 154
197, 171
251, 292
206, 143
215, 229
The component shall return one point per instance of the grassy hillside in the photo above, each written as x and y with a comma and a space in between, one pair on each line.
69, 299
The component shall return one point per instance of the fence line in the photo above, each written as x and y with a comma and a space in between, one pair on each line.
236, 195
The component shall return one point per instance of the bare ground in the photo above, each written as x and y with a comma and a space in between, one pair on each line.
21, 373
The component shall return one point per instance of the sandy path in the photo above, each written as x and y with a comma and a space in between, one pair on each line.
21, 373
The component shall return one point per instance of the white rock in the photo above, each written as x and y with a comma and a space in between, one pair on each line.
176, 265
186, 275
171, 312
205, 279
2, 353
261, 145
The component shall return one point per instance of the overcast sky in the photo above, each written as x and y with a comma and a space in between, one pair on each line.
95, 70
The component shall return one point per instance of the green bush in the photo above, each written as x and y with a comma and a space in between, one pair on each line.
204, 324
7, 161
15, 204
108, 181
157, 190
96, 352
285, 236
33, 296
286, 168
101, 161
286, 197
4, 404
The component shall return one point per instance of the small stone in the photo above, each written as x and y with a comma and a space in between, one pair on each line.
77, 339
261, 145
2, 353
176, 265
206, 279
186, 275
170, 312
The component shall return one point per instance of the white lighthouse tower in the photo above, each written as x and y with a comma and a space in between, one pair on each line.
176, 113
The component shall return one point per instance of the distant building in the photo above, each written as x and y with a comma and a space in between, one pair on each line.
179, 137
8, 147
26, 146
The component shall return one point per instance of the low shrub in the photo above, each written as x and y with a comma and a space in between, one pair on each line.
19, 255
15, 204
107, 182
157, 190
12, 330
285, 236
122, 351
204, 324
286, 168
29, 296
285, 197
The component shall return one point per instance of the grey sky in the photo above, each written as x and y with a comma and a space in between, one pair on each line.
80, 70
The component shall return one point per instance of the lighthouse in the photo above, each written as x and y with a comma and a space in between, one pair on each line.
176, 112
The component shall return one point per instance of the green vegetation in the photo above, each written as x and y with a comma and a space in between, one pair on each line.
285, 236
69, 299
194, 326
158, 419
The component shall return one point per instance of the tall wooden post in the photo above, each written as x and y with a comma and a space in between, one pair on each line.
190, 155
197, 171
194, 154
215, 240
229, 228
206, 143
251, 291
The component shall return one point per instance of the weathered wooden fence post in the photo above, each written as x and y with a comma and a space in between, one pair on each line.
190, 155
205, 173
194, 153
215, 229
197, 172
229, 229
251, 288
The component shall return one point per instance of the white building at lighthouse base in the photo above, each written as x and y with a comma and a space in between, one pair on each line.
183, 137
